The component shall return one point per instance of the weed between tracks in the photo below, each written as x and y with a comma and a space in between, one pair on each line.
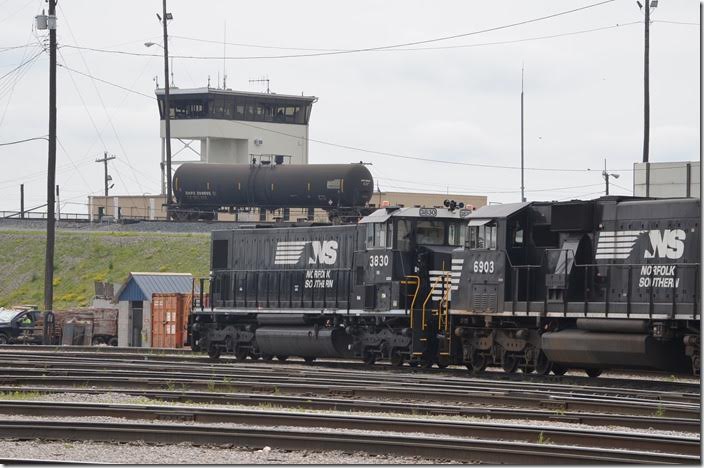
17, 395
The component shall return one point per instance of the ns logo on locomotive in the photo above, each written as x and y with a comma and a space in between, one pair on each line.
540, 286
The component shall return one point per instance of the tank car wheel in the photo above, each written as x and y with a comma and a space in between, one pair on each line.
543, 365
509, 363
309, 359
267, 357
593, 373
413, 363
396, 358
112, 341
98, 340
558, 369
441, 365
369, 358
281, 357
426, 363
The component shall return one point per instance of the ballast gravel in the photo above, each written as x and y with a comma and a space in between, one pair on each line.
121, 398
139, 453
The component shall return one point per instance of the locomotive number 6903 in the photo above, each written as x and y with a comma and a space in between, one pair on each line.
483, 267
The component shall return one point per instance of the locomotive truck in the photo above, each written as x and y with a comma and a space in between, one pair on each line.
539, 286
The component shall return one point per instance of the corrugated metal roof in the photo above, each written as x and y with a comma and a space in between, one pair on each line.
141, 286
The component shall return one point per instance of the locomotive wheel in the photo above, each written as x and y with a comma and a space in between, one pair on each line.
543, 366
112, 342
478, 363
509, 363
441, 365
558, 369
426, 363
413, 363
241, 354
396, 358
214, 352
309, 359
281, 357
593, 373
267, 357
98, 340
369, 358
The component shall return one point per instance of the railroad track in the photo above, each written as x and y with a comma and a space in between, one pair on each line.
370, 406
572, 401
266, 374
475, 430
181, 356
452, 448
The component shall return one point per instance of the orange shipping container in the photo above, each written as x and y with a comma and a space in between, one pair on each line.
170, 319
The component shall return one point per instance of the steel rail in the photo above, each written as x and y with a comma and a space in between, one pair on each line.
370, 406
183, 355
515, 398
242, 374
427, 446
480, 430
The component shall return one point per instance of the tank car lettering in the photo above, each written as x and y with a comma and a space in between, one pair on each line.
668, 244
324, 252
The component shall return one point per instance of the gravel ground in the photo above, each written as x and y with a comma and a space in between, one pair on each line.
137, 453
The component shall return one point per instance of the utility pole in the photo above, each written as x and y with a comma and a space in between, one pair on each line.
167, 107
49, 22
21, 201
523, 195
646, 79
107, 177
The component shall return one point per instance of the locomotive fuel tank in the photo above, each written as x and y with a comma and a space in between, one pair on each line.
272, 186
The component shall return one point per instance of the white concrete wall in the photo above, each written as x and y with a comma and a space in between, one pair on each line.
123, 323
667, 179
275, 141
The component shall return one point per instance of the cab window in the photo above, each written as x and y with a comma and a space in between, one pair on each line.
403, 235
456, 234
378, 235
430, 232
483, 237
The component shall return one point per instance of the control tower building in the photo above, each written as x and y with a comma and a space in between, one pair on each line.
235, 127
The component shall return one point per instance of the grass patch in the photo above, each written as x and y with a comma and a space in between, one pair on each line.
85, 257
17, 395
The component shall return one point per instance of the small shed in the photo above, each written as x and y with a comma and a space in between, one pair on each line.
135, 303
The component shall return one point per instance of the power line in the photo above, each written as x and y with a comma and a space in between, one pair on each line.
8, 143
460, 46
23, 64
675, 22
365, 49
105, 81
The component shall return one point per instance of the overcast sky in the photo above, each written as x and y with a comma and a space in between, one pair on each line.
452, 100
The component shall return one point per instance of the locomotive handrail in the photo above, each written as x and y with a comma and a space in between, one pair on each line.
415, 293
609, 267
430, 294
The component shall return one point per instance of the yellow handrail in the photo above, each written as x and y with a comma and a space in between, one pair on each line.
415, 293
430, 294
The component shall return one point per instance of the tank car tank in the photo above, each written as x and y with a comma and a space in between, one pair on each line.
206, 186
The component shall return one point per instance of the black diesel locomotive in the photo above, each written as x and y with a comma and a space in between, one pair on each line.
541, 286
201, 190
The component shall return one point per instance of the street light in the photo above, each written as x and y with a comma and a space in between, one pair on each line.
606, 176
149, 44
